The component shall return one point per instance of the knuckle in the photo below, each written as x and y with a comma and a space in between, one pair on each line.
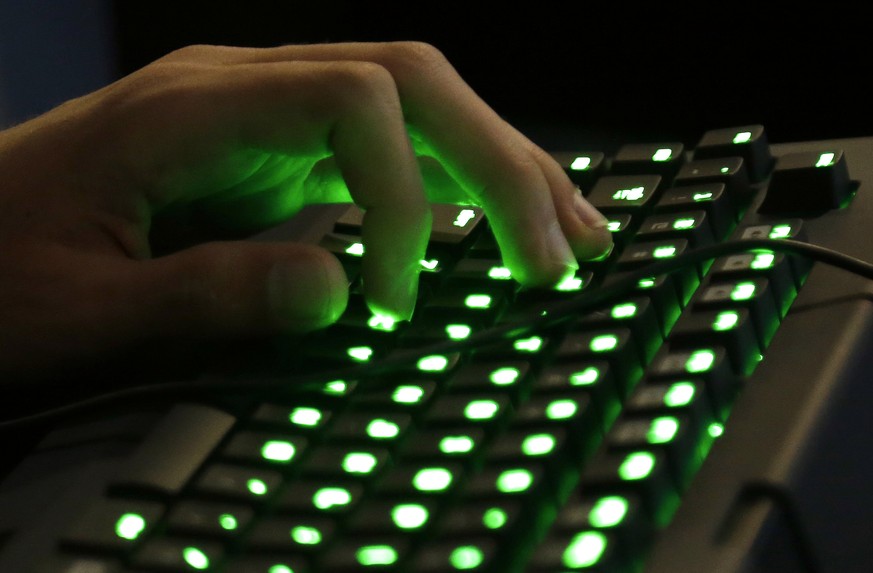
363, 84
417, 55
193, 52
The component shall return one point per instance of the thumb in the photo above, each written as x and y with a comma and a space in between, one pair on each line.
231, 289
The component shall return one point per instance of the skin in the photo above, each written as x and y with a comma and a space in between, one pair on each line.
238, 139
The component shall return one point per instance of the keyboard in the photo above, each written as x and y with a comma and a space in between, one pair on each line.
658, 411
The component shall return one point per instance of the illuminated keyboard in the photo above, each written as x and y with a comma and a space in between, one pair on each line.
712, 417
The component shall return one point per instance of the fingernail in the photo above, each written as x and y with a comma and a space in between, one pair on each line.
591, 217
559, 248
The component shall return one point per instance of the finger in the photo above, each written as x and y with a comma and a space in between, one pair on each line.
349, 110
491, 160
226, 289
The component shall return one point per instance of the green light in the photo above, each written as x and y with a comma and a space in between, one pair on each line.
584, 550
228, 522
700, 361
825, 160
456, 445
481, 410
277, 451
680, 394
626, 310
532, 344
355, 249
432, 479
256, 486
336, 387
464, 217
499, 273
304, 416
586, 377
698, 197
664, 252
331, 497
466, 557
743, 291
538, 444
494, 518
429, 265
682, 224
663, 154
570, 284
514, 481
608, 511
305, 535
581, 163
478, 301
613, 226
743, 137
632, 194
360, 353
780, 232
662, 430
725, 320
129, 526
409, 515
195, 558
408, 394
380, 429
382, 322
280, 569
603, 343
433, 363
376, 555
458, 331
715, 430
561, 409
504, 376
724, 169
636, 466
646, 283
763, 261
359, 463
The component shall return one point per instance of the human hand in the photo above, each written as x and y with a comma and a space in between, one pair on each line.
253, 135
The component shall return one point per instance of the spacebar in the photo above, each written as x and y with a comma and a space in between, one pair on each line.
173, 451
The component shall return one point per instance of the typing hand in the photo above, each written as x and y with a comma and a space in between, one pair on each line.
246, 137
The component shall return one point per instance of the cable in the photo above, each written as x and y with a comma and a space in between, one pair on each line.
555, 314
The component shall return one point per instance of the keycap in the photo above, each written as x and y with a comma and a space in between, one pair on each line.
269, 449
384, 428
624, 193
366, 554
728, 170
583, 167
592, 378
421, 479
730, 328
466, 554
300, 534
748, 142
620, 515
238, 483
451, 227
172, 554
173, 451
220, 520
344, 462
807, 183
753, 294
115, 525
707, 363
583, 550
721, 209
476, 517
648, 158
693, 226
320, 497
614, 345
400, 514
459, 443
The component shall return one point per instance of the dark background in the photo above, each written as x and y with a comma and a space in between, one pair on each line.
626, 70
663, 70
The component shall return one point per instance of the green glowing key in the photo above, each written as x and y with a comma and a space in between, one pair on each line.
825, 160
538, 444
504, 376
700, 361
464, 217
453, 445
331, 497
433, 363
529, 345
305, 535
680, 394
129, 526
478, 301
360, 353
466, 557
280, 569
494, 518
662, 430
432, 479
662, 154
603, 343
683, 223
359, 463
481, 410
584, 550
624, 310
742, 137
408, 394
228, 522
382, 322
580, 163
376, 555
631, 194
305, 416
743, 291
586, 377
256, 487
561, 409
636, 466
195, 558
499, 273
514, 481
381, 429
725, 320
780, 232
458, 331
608, 511
278, 451
664, 252
763, 261
409, 515
570, 284
355, 249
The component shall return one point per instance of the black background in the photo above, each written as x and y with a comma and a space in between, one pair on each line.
653, 71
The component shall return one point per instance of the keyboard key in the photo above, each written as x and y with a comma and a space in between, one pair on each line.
322, 497
467, 554
662, 159
693, 226
452, 225
421, 479
638, 255
115, 525
220, 520
728, 170
475, 517
713, 198
375, 554
623, 193
237, 483
808, 182
583, 168
171, 554
301, 535
613, 345
461, 444
331, 462
748, 142
752, 294
707, 363
730, 328
268, 449
383, 428
485, 410
397, 515
584, 550
173, 451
